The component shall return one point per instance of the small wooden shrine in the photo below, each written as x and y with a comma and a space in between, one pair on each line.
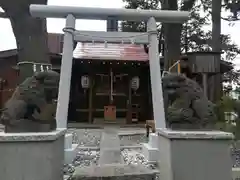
204, 65
110, 83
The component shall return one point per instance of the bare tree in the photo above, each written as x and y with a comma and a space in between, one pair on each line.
172, 32
216, 80
30, 33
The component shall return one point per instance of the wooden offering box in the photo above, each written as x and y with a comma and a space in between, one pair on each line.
110, 113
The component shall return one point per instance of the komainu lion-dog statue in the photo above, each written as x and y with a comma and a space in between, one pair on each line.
32, 106
188, 107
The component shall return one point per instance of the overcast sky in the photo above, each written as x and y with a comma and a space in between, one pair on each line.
7, 40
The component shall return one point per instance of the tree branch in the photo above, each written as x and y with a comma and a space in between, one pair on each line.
187, 5
226, 19
230, 19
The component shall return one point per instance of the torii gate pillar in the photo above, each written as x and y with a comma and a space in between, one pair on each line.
65, 74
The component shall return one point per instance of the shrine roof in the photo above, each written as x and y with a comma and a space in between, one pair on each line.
102, 51
95, 51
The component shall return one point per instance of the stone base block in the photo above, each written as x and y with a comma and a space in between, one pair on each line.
114, 172
70, 150
235, 173
153, 140
70, 154
32, 156
150, 149
150, 153
195, 155
68, 141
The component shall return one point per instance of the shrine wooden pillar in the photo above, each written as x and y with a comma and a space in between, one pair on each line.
90, 107
129, 104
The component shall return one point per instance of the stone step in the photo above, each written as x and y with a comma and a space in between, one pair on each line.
114, 172
110, 151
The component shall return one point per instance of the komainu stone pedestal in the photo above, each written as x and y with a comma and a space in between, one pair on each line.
32, 156
195, 155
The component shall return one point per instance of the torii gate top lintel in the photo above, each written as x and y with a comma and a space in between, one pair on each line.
49, 11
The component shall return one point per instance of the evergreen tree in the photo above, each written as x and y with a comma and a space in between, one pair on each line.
193, 36
234, 7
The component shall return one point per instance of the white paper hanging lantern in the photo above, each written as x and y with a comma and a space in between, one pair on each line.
34, 67
85, 82
41, 68
135, 83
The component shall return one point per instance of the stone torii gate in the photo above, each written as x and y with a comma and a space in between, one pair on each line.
188, 155
193, 148
71, 35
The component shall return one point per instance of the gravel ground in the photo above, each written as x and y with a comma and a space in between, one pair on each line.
83, 159
236, 157
86, 137
135, 157
88, 158
91, 138
133, 140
